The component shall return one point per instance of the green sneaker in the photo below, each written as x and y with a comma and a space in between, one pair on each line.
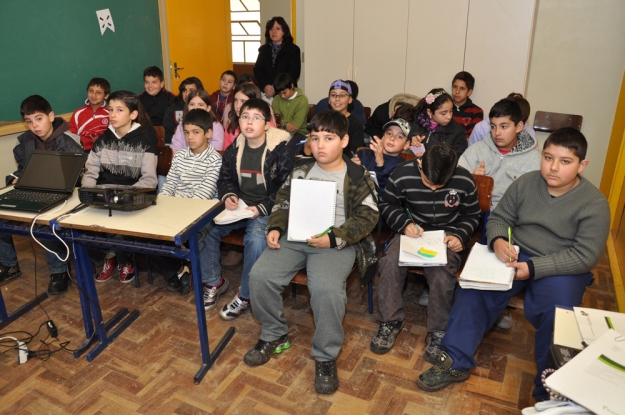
261, 353
441, 374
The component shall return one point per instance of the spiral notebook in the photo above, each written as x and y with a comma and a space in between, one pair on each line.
312, 208
483, 271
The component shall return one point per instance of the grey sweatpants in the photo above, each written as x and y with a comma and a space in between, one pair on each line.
327, 271
442, 282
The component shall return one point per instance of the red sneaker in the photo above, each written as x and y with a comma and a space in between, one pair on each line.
127, 273
107, 270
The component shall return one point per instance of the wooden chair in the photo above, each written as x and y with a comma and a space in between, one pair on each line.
160, 135
367, 114
278, 118
311, 112
164, 155
551, 121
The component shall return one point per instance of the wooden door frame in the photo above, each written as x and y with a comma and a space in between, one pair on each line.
617, 203
162, 14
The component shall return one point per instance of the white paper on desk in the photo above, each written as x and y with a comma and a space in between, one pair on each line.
595, 378
231, 216
431, 240
593, 323
484, 271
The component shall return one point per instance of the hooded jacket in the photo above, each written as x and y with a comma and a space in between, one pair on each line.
130, 160
504, 169
28, 142
277, 163
452, 134
361, 211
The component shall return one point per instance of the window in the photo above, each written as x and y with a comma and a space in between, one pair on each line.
246, 30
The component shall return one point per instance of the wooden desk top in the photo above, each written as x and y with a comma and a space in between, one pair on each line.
45, 217
165, 220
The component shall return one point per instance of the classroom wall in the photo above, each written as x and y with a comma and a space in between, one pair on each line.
576, 67
53, 48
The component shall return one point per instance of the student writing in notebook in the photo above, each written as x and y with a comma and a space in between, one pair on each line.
561, 223
429, 194
328, 258
46, 132
253, 169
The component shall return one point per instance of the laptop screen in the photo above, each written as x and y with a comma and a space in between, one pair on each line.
51, 170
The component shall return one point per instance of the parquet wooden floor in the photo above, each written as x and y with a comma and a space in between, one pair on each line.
150, 367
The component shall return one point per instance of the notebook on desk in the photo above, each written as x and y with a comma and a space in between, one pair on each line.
48, 178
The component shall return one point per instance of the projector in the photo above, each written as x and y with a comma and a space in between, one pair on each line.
117, 197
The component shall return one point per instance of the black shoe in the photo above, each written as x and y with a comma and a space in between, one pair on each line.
8, 273
184, 276
433, 346
326, 377
173, 284
58, 283
261, 353
441, 374
384, 340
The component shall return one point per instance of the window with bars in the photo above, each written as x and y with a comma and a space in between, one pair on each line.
246, 30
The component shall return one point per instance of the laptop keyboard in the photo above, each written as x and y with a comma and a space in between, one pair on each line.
31, 196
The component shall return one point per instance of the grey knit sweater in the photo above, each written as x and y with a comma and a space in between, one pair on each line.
564, 235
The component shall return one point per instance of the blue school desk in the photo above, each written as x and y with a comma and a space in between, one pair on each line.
18, 223
162, 229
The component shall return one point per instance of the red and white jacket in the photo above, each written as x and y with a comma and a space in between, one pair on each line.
87, 124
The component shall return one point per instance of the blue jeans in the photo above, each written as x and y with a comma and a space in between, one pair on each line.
475, 312
254, 243
8, 256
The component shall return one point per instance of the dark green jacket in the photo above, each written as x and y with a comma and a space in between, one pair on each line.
361, 211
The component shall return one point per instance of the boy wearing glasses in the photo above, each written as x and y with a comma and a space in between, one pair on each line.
291, 103
253, 169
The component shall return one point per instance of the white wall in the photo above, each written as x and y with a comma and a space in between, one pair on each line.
271, 8
576, 67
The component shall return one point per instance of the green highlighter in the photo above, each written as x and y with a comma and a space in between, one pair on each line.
323, 233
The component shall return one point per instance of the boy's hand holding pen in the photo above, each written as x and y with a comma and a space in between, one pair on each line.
321, 240
232, 202
412, 230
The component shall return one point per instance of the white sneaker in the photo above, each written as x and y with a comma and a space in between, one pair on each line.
425, 298
234, 308
504, 321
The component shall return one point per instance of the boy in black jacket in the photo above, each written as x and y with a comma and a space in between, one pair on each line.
453, 208
155, 99
253, 169
46, 133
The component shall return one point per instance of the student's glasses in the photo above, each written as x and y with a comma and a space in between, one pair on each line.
338, 96
255, 118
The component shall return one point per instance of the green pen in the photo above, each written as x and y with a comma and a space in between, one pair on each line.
323, 233
510, 240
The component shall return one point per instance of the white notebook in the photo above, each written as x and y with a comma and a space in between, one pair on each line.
484, 271
431, 242
312, 208
231, 216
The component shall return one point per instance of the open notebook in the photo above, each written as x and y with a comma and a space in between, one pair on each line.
230, 216
428, 250
484, 271
312, 208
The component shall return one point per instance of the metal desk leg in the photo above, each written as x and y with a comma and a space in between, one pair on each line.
92, 311
6, 319
207, 358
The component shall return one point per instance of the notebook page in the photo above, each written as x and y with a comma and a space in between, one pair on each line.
312, 208
231, 216
484, 266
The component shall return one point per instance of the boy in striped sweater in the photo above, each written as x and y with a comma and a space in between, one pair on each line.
193, 174
426, 194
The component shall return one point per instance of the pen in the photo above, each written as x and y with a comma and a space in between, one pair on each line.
510, 240
412, 220
322, 233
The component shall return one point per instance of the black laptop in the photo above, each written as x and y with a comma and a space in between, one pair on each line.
48, 178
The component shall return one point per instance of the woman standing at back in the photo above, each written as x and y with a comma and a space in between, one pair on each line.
279, 54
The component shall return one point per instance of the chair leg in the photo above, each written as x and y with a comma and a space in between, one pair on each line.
370, 295
293, 290
147, 259
134, 264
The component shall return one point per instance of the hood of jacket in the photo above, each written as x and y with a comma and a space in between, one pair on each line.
274, 137
402, 97
525, 143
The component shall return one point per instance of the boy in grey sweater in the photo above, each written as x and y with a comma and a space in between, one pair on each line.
561, 223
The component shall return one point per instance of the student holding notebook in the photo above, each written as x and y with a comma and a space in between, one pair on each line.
328, 258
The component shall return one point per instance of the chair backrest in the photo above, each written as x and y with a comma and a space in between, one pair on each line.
160, 135
551, 121
311, 112
164, 157
484, 186
278, 118
367, 114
